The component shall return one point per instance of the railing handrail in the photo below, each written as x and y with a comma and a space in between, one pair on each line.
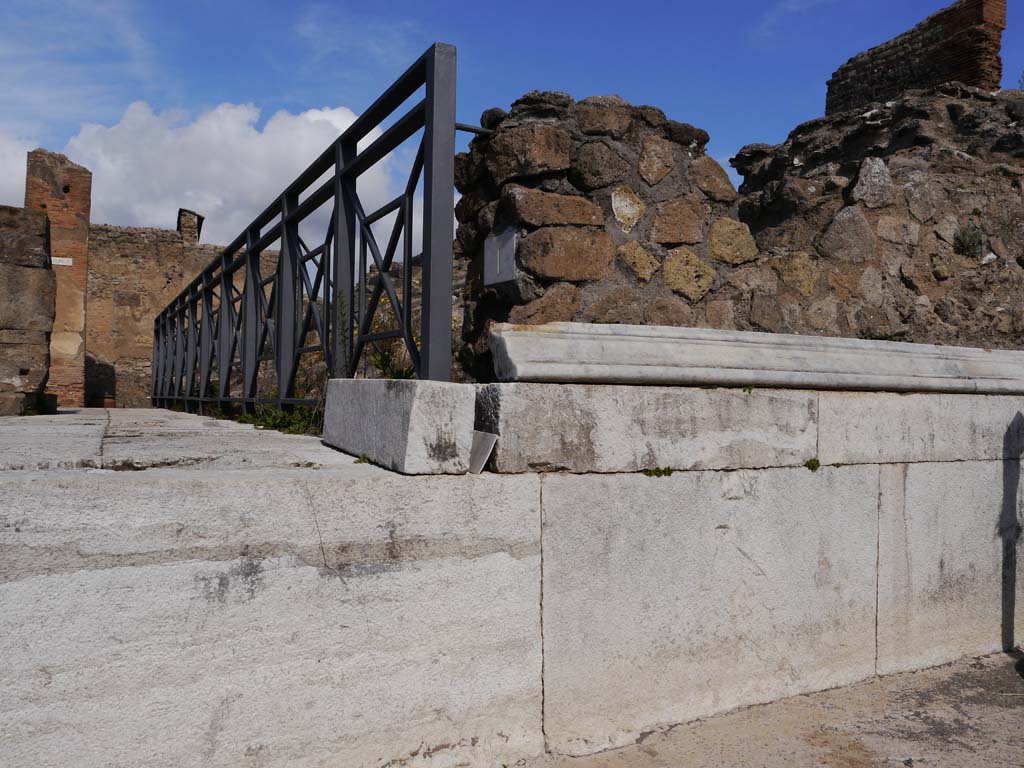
239, 323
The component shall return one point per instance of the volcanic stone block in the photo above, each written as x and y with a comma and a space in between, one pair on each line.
562, 253
527, 151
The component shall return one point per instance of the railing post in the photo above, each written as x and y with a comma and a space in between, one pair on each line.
342, 316
205, 341
225, 335
250, 320
191, 346
438, 213
286, 327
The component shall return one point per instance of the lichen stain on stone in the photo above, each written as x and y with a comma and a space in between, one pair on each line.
247, 576
444, 448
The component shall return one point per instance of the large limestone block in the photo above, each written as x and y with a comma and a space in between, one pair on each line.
301, 618
24, 360
883, 427
669, 599
413, 427
604, 428
949, 582
26, 298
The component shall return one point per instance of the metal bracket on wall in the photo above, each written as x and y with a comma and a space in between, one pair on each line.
500, 257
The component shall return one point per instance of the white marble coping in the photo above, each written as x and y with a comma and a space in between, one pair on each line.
662, 355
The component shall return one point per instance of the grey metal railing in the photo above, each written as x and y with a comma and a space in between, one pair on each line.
211, 343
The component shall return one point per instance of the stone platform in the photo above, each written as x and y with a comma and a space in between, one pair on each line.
176, 590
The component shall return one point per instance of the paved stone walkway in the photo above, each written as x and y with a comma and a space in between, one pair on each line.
964, 715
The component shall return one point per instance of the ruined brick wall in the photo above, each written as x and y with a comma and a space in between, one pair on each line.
133, 273
621, 218
27, 288
959, 43
63, 191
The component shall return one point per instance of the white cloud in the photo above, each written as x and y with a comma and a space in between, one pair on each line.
12, 170
768, 30
221, 164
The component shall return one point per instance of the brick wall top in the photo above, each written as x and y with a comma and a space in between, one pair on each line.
959, 43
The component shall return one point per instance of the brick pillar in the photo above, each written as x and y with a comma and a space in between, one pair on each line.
63, 191
190, 225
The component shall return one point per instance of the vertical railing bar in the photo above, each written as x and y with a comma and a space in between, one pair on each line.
344, 258
287, 302
224, 336
438, 207
251, 326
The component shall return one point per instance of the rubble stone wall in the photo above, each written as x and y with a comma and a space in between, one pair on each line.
620, 216
960, 42
27, 288
904, 222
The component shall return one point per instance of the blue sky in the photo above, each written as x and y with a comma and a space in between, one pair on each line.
746, 71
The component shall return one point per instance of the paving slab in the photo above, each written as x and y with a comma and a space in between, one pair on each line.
965, 715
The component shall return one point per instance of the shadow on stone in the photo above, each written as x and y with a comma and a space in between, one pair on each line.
1009, 528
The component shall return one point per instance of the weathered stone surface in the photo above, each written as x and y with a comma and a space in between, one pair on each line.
604, 428
899, 231
888, 428
689, 136
628, 208
621, 642
849, 237
687, 274
874, 184
23, 235
712, 179
639, 261
604, 115
540, 209
656, 160
679, 221
730, 241
669, 311
801, 273
412, 427
12, 403
948, 536
597, 165
527, 150
621, 305
559, 303
568, 254
336, 596
28, 298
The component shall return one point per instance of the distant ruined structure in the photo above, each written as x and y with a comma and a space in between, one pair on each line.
110, 283
960, 43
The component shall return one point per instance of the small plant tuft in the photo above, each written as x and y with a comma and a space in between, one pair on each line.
748, 389
813, 464
362, 460
659, 472
969, 241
